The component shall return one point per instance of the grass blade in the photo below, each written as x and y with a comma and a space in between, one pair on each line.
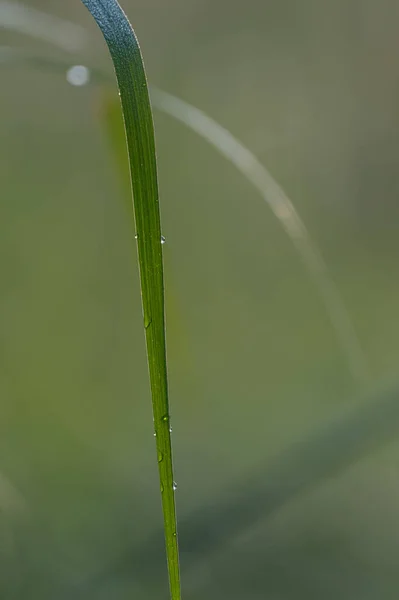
137, 114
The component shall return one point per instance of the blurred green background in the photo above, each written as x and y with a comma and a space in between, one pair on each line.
312, 88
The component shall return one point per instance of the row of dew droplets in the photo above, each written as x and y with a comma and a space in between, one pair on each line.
147, 318
163, 239
165, 419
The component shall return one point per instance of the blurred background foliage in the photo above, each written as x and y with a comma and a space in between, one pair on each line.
312, 89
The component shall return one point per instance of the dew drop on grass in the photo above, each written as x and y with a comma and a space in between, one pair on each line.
165, 419
161, 488
174, 486
78, 75
160, 457
163, 240
136, 237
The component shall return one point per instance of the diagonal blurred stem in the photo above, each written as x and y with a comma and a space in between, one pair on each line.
283, 209
44, 26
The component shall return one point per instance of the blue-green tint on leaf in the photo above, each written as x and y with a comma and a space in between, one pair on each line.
137, 114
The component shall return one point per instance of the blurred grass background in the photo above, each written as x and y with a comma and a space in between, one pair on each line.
312, 90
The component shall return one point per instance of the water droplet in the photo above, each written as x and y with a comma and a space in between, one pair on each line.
147, 321
161, 488
155, 434
165, 418
174, 486
78, 75
163, 240
170, 429
174, 534
160, 457
136, 237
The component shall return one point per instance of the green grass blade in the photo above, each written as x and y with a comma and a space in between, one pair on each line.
137, 114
